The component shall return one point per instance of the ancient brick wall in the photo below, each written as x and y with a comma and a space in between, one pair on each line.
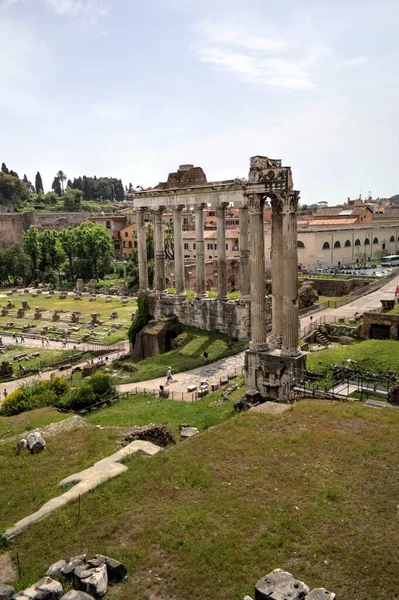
337, 287
380, 319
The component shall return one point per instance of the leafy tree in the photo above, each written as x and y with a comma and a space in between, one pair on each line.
86, 188
119, 191
61, 176
31, 245
28, 184
13, 191
51, 249
68, 242
39, 183
73, 200
51, 198
143, 316
56, 186
94, 245
4, 168
69, 184
15, 265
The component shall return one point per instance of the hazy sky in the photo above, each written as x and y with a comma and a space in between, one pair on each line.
133, 88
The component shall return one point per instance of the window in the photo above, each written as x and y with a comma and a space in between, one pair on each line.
186, 247
215, 247
367, 242
392, 238
210, 246
124, 244
375, 240
348, 244
126, 234
130, 245
326, 246
227, 246
357, 243
337, 244
194, 247
135, 244
300, 244
108, 224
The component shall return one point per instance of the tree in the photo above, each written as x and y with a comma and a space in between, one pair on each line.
28, 184
119, 191
31, 245
39, 183
73, 200
69, 184
61, 176
68, 243
51, 249
13, 191
56, 186
4, 168
86, 188
94, 245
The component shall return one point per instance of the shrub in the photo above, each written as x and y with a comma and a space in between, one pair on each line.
102, 385
59, 385
14, 403
79, 398
143, 316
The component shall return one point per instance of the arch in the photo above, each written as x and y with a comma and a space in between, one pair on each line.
337, 244
358, 243
326, 246
392, 238
124, 244
300, 244
375, 240
108, 225
348, 244
135, 245
130, 245
367, 242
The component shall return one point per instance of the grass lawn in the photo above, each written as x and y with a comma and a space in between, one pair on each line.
142, 409
312, 491
187, 356
27, 421
379, 356
327, 299
46, 358
106, 333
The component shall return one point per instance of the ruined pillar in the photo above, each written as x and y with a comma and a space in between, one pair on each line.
142, 251
257, 271
278, 270
200, 250
244, 254
179, 255
290, 279
159, 250
221, 241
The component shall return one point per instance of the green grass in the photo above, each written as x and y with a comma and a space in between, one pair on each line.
186, 357
379, 356
47, 357
312, 491
142, 409
51, 303
27, 421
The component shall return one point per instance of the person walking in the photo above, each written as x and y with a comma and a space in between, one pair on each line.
169, 377
5, 393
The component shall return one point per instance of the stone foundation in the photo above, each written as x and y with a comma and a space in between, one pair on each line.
231, 317
272, 374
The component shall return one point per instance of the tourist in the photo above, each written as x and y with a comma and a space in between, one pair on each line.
22, 339
47, 342
64, 342
169, 375
42, 342
205, 356
5, 393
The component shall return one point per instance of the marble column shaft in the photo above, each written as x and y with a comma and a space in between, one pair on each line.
244, 255
159, 247
290, 279
179, 255
221, 241
257, 269
142, 251
200, 251
278, 270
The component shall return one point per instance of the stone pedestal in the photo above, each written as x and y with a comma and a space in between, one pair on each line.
273, 374
20, 313
79, 285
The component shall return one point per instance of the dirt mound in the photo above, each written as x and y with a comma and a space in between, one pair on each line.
157, 434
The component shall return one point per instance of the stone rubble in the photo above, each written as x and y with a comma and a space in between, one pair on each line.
35, 442
6, 592
155, 433
281, 585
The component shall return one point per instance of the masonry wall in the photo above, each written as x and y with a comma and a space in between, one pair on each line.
232, 317
337, 287
376, 318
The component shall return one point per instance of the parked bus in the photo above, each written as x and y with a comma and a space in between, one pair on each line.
390, 261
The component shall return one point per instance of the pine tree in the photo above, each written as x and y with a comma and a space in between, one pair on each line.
86, 188
14, 174
38, 183
56, 186
4, 168
69, 184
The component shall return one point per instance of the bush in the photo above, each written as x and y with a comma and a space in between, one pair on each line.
102, 385
59, 385
143, 316
14, 403
80, 398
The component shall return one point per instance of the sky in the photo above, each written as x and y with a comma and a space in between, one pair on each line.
133, 88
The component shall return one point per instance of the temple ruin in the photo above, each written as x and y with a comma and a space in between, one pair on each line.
273, 361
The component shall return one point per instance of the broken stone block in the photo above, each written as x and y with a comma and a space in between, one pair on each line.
68, 569
188, 432
6, 592
93, 581
320, 594
35, 442
76, 595
54, 570
116, 570
280, 585
44, 589
224, 380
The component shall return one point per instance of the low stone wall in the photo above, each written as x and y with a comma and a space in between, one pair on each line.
232, 317
380, 320
338, 287
337, 331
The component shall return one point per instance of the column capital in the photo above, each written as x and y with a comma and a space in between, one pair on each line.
290, 202
277, 205
159, 209
200, 207
179, 207
255, 202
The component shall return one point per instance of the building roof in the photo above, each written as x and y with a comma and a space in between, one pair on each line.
210, 234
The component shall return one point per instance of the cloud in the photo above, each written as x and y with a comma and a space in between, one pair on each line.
356, 61
78, 8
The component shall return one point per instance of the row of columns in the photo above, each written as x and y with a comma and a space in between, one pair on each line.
285, 312
159, 251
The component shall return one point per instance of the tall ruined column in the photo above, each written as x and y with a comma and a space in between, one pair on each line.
159, 276
200, 251
221, 241
278, 270
244, 254
142, 251
257, 269
179, 255
290, 278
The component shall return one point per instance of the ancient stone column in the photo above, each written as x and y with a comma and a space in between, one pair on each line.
200, 251
290, 278
244, 255
179, 255
142, 251
257, 271
278, 270
221, 241
159, 248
